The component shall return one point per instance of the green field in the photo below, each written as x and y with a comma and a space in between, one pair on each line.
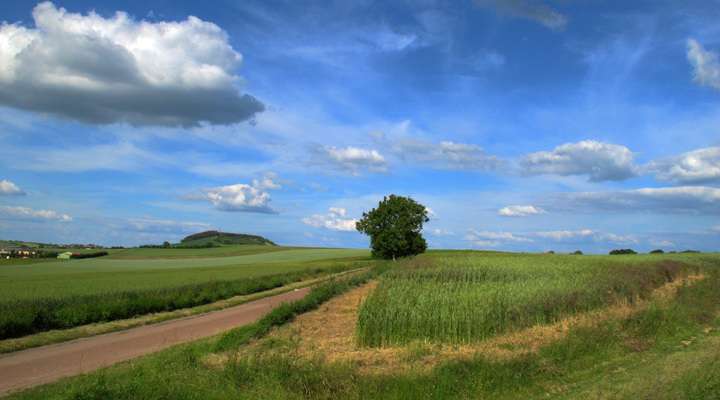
56, 278
47, 295
463, 298
668, 348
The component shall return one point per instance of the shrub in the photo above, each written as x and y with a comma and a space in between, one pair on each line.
622, 251
578, 253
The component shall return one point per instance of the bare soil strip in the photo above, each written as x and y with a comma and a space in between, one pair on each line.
46, 364
329, 333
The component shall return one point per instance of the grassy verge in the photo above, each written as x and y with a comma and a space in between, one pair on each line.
57, 336
24, 317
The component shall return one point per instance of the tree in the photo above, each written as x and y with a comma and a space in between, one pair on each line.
394, 227
166, 244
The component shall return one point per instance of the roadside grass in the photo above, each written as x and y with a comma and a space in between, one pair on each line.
27, 316
669, 350
467, 298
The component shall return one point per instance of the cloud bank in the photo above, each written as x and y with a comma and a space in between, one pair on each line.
107, 70
599, 161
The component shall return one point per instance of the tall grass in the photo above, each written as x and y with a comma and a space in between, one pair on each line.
27, 316
469, 298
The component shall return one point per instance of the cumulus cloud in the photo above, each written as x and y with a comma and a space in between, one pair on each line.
240, 197
8, 188
599, 161
445, 155
533, 10
151, 225
354, 160
25, 213
520, 211
335, 219
698, 166
493, 239
681, 199
107, 70
581, 234
706, 68
440, 232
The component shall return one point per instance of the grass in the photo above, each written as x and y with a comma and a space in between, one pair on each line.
177, 253
46, 296
679, 358
63, 335
104, 275
468, 298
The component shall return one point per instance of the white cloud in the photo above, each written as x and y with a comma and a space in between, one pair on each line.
494, 239
564, 235
569, 235
240, 197
117, 69
353, 159
445, 155
25, 213
8, 188
334, 220
440, 232
533, 10
661, 243
698, 166
681, 199
706, 68
599, 161
716, 228
267, 182
152, 225
520, 211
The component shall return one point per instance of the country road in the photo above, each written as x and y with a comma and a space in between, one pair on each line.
27, 368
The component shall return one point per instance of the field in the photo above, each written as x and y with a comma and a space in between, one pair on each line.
458, 325
61, 294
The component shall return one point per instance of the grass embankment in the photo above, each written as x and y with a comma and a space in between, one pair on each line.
468, 298
666, 350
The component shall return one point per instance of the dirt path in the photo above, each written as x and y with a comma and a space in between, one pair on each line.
46, 364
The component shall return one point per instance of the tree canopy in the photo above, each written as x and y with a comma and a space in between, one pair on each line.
394, 227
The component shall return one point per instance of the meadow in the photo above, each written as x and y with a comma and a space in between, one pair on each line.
664, 347
63, 294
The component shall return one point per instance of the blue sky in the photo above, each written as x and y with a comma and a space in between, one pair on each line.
522, 125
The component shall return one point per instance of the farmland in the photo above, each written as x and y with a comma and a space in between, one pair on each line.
63, 294
459, 325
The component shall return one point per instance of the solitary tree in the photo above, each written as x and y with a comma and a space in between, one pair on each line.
394, 227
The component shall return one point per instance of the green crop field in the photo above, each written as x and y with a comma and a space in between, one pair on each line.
59, 294
424, 308
463, 298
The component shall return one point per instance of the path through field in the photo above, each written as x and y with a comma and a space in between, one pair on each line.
46, 364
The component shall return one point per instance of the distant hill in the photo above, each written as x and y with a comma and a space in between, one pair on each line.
224, 238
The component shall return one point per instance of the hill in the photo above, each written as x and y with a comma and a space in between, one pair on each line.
224, 238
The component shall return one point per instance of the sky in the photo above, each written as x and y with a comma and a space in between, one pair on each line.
521, 125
